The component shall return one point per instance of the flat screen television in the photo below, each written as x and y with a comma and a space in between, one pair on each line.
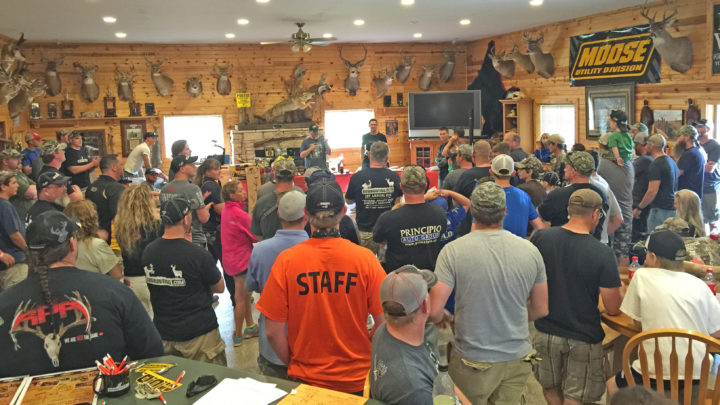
431, 110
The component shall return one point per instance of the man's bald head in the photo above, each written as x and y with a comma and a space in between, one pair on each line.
481, 152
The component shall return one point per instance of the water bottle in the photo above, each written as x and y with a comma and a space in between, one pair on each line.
443, 388
634, 265
710, 279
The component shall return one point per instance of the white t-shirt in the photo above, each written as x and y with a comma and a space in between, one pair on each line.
613, 206
660, 298
134, 162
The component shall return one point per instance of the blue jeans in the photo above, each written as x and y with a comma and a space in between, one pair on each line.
657, 216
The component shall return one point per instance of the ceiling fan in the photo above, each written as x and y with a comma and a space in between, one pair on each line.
301, 40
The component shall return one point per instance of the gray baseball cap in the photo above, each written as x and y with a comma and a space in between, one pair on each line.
656, 140
502, 165
403, 290
291, 206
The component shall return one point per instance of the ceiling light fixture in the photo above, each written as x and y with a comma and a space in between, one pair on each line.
229, 35
464, 21
359, 22
120, 34
243, 21
407, 2
536, 3
263, 1
109, 19
417, 35
327, 35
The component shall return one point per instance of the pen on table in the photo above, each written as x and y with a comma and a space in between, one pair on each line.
161, 397
182, 374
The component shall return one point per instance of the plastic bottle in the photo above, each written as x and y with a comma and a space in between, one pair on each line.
710, 280
444, 388
634, 265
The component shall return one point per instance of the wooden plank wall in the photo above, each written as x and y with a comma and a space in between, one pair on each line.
261, 67
694, 20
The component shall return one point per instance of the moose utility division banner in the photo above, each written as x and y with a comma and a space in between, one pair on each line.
616, 56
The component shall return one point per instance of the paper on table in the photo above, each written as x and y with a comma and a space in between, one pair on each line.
246, 391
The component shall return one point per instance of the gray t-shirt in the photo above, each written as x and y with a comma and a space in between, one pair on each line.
265, 221
621, 180
192, 193
318, 156
400, 373
451, 179
492, 273
613, 205
269, 187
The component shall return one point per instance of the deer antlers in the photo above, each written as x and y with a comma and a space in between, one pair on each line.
666, 19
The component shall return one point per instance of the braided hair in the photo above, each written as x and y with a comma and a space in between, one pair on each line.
40, 261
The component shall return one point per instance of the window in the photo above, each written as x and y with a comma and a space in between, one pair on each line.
712, 114
345, 128
559, 119
198, 130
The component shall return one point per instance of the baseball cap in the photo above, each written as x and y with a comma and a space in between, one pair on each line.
51, 146
317, 174
324, 195
174, 210
50, 229
703, 123
149, 134
403, 290
10, 153
666, 244
32, 135
639, 126
488, 197
74, 134
656, 140
440, 202
619, 116
153, 170
530, 163
502, 165
688, 130
640, 138
125, 180
313, 128
284, 166
557, 139
465, 150
582, 162
182, 160
49, 178
291, 206
413, 176
586, 197
604, 139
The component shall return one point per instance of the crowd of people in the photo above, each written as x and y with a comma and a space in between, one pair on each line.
131, 267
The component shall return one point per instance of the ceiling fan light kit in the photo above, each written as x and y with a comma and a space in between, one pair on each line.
301, 40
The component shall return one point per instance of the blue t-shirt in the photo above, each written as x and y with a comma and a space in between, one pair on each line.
9, 224
454, 218
692, 163
519, 211
29, 156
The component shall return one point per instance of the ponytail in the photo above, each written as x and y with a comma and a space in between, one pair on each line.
40, 262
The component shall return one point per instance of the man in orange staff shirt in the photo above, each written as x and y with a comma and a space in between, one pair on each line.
323, 289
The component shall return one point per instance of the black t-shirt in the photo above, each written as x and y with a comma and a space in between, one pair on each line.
132, 261
664, 169
374, 190
692, 163
212, 224
367, 141
77, 157
577, 265
38, 208
347, 230
96, 315
179, 275
465, 186
105, 193
50, 169
712, 149
642, 171
554, 208
442, 162
412, 233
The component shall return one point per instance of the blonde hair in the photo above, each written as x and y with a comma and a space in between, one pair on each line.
85, 212
136, 214
688, 208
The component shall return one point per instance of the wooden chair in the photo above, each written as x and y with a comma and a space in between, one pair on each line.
712, 345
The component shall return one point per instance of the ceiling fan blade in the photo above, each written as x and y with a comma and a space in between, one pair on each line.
273, 42
321, 39
322, 43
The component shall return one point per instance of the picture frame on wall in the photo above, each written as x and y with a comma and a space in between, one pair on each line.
669, 122
391, 127
600, 100
131, 134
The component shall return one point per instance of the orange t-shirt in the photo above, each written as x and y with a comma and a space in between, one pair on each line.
324, 289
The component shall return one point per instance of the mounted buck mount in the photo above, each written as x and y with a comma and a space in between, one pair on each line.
52, 80
676, 52
352, 81
124, 83
223, 85
88, 86
383, 82
163, 84
543, 62
505, 67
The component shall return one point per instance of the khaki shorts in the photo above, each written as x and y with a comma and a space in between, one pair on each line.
138, 285
574, 368
209, 348
13, 275
490, 383
366, 240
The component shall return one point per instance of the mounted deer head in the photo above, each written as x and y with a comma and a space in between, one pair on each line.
506, 68
520, 59
382, 83
11, 53
403, 69
194, 86
223, 85
88, 87
163, 84
52, 80
425, 79
11, 85
676, 52
448, 68
124, 83
352, 81
543, 62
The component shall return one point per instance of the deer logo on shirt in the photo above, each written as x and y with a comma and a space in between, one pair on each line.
176, 281
378, 197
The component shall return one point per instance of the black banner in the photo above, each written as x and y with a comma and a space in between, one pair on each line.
612, 57
716, 40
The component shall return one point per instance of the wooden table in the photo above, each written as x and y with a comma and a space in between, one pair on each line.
621, 322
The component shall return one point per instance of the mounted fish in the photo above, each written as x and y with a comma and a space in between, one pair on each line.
163, 84
403, 69
223, 85
448, 68
520, 59
352, 81
506, 68
52, 80
25, 97
646, 115
676, 52
382, 83
194, 86
124, 83
543, 62
425, 79
11, 54
88, 87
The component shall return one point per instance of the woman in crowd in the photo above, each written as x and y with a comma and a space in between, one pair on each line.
687, 207
543, 152
237, 243
550, 180
94, 254
137, 223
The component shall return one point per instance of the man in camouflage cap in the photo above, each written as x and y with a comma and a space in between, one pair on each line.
529, 170
638, 128
491, 332
10, 160
265, 221
463, 161
691, 164
52, 154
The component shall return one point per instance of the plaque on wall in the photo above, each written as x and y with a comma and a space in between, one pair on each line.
35, 111
52, 110
391, 127
134, 109
131, 134
149, 108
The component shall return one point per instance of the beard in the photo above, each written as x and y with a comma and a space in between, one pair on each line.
678, 149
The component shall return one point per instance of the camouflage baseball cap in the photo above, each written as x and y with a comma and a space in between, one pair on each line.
604, 139
582, 162
284, 166
640, 127
586, 197
488, 197
557, 139
688, 130
413, 176
465, 150
10, 153
530, 163
51, 146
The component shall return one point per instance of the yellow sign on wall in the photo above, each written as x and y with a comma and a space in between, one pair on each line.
243, 100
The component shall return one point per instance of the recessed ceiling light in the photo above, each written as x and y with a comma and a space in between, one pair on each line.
109, 19
536, 2
359, 22
263, 1
120, 34
327, 35
464, 21
229, 35
417, 35
407, 2
243, 21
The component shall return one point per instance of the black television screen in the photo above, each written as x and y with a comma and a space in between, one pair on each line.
432, 110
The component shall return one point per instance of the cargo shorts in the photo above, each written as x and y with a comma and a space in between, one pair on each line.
366, 240
209, 348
